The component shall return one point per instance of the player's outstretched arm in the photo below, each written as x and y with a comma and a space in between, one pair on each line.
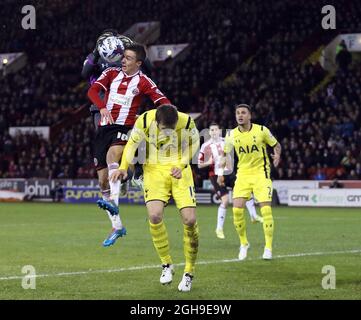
127, 158
90, 64
93, 95
119, 174
203, 164
272, 142
276, 156
106, 116
151, 90
136, 137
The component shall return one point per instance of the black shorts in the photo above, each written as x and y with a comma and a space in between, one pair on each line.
106, 137
222, 190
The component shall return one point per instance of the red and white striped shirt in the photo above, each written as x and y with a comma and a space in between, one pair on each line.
212, 150
124, 94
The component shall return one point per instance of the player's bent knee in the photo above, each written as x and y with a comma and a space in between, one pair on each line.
239, 202
266, 211
189, 216
239, 205
189, 221
114, 153
155, 219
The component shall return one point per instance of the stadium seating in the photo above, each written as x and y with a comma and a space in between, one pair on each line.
260, 64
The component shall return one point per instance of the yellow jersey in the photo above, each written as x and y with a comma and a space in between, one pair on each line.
251, 149
162, 147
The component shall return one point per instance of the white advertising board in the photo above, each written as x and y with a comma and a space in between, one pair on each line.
324, 197
42, 131
163, 52
282, 187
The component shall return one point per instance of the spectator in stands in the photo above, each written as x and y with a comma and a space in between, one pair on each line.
336, 184
57, 194
320, 175
348, 161
358, 170
279, 174
352, 175
340, 174
300, 173
331, 99
343, 57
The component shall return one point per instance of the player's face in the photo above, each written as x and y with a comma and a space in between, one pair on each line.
243, 116
214, 132
130, 65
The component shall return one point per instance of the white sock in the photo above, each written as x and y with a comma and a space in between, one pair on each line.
115, 220
114, 186
221, 216
251, 208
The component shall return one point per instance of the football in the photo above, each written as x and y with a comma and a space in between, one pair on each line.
111, 49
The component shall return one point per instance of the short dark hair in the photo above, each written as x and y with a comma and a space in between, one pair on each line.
243, 105
167, 115
214, 124
138, 49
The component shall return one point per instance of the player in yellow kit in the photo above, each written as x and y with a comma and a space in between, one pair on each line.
171, 141
250, 141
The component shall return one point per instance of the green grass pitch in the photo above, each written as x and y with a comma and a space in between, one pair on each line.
63, 243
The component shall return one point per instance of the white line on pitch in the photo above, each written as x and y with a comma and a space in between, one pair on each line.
295, 255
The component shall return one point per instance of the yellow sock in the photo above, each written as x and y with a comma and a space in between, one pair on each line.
268, 225
190, 242
239, 222
160, 241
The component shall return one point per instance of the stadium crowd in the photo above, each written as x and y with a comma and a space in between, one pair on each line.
320, 133
44, 92
30, 155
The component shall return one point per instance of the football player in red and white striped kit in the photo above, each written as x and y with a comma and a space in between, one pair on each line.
124, 88
210, 156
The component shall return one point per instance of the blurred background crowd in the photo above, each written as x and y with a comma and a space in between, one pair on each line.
234, 57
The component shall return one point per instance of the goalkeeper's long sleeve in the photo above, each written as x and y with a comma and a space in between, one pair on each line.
90, 66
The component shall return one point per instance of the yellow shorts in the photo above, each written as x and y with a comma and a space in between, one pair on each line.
258, 184
159, 185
